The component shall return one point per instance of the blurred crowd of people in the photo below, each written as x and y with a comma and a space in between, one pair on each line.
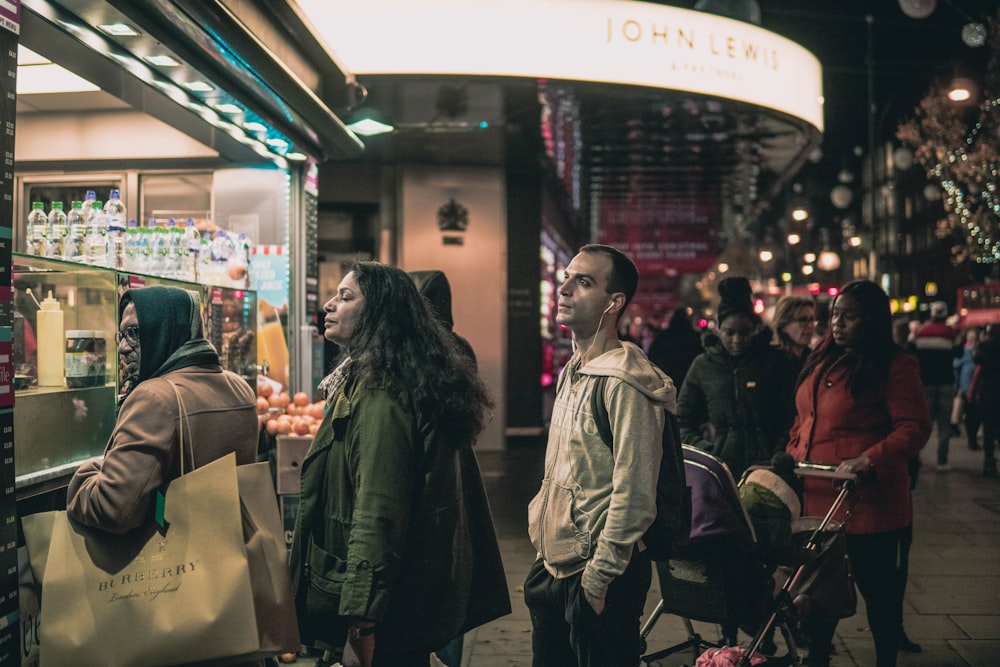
959, 365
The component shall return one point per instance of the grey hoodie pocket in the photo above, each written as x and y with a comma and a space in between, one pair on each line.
553, 528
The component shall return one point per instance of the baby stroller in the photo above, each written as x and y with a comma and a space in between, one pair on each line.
821, 575
717, 575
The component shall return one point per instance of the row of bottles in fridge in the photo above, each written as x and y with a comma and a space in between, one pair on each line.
101, 234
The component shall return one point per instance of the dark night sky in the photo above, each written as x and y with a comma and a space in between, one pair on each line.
908, 55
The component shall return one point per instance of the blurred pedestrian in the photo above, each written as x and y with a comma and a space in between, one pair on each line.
676, 346
793, 323
966, 410
433, 285
986, 394
860, 406
936, 345
736, 402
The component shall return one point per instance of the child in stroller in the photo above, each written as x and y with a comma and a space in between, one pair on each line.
806, 555
772, 498
716, 576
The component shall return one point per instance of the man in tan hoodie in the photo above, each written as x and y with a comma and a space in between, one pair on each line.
587, 589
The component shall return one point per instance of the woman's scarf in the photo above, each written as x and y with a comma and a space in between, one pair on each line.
170, 331
331, 386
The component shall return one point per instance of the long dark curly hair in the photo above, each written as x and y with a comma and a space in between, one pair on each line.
398, 345
871, 359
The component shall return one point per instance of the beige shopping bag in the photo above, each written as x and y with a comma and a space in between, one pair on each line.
152, 598
263, 533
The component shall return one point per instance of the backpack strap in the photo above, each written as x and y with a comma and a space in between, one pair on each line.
599, 409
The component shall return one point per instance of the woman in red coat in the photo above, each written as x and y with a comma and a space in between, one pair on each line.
860, 405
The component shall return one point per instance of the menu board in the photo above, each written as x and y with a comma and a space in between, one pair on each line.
10, 613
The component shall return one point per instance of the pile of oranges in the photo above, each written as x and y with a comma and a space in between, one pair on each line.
283, 414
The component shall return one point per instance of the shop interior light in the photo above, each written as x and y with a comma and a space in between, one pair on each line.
295, 155
277, 143
809, 257
800, 214
38, 75
199, 86
368, 127
793, 239
254, 126
118, 29
228, 108
162, 61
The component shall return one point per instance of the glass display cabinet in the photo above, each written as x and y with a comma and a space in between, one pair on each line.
66, 359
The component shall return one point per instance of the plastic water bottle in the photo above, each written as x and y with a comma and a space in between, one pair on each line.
131, 238
175, 249
159, 248
205, 275
116, 216
88, 201
96, 241
142, 250
58, 232
192, 243
115, 207
116, 242
76, 221
220, 252
239, 262
37, 230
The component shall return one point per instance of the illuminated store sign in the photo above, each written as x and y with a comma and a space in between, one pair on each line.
608, 41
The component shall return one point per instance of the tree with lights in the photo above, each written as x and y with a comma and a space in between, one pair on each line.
960, 150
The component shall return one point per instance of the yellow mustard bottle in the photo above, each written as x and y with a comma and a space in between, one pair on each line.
51, 343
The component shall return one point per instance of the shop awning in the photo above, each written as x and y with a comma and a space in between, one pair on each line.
246, 78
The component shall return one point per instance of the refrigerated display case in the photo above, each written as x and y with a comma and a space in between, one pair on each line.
57, 427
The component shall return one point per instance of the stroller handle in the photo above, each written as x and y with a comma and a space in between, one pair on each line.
825, 471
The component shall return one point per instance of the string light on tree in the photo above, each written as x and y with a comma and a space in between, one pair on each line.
963, 157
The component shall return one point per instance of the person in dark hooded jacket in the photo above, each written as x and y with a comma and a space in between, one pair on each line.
433, 285
161, 350
161, 345
737, 399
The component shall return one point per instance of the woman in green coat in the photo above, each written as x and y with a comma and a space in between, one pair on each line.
394, 552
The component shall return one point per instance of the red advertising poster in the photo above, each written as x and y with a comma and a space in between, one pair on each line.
666, 239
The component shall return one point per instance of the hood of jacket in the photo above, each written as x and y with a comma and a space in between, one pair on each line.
629, 364
433, 285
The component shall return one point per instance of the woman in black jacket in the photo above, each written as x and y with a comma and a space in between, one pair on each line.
737, 398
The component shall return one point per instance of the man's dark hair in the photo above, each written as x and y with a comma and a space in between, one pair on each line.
624, 276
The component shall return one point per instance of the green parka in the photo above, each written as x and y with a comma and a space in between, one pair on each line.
393, 527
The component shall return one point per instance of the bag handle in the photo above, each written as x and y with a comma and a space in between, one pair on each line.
182, 421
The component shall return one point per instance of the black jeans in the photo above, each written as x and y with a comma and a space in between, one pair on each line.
880, 564
567, 633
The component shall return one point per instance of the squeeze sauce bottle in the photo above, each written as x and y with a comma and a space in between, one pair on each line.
51, 343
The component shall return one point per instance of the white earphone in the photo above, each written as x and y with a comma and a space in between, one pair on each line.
610, 306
